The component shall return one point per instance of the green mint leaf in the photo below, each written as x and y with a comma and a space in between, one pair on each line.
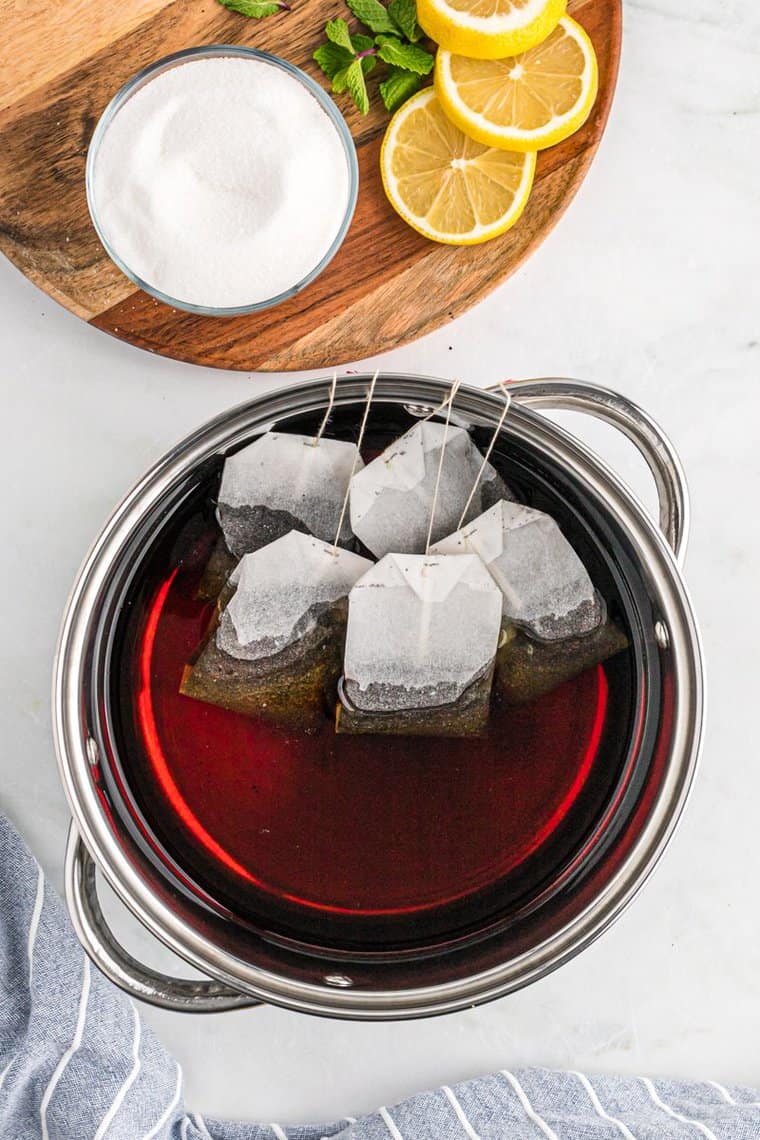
408, 56
253, 8
363, 44
404, 15
332, 58
373, 14
396, 89
337, 32
357, 88
340, 80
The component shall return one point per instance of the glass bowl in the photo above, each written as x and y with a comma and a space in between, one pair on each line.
136, 83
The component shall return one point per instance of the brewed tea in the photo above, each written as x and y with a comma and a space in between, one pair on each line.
365, 842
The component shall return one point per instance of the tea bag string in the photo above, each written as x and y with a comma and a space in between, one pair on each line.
331, 401
449, 403
443, 404
487, 456
365, 417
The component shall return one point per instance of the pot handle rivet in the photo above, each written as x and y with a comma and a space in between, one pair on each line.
183, 995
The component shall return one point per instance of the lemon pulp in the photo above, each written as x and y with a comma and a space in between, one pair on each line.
445, 185
524, 102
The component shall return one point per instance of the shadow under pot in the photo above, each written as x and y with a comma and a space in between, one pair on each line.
368, 875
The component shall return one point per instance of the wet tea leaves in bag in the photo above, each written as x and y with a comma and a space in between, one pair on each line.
284, 482
546, 587
554, 620
392, 497
420, 645
526, 668
279, 592
276, 648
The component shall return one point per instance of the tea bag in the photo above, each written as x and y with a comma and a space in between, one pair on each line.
545, 585
276, 484
420, 646
392, 497
281, 483
555, 621
275, 648
256, 505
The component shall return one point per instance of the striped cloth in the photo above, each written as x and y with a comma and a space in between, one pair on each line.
76, 1064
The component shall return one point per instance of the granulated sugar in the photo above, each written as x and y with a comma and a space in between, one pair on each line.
221, 182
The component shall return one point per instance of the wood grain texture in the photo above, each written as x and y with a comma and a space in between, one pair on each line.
386, 286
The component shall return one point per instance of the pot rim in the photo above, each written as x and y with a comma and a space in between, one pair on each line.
73, 747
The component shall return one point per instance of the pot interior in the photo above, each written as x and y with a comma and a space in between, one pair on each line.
293, 849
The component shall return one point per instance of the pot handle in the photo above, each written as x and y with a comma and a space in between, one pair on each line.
562, 394
182, 995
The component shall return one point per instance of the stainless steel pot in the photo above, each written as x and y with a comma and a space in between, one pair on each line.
247, 973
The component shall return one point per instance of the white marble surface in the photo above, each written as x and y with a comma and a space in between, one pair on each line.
649, 284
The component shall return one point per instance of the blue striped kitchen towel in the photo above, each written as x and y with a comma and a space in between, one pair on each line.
76, 1064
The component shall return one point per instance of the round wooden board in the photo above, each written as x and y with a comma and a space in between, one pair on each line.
386, 286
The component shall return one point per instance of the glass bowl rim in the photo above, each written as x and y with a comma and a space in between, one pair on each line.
218, 51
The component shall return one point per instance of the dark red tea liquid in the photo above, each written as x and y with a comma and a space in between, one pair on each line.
356, 841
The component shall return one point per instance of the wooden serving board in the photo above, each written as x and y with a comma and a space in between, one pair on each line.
65, 59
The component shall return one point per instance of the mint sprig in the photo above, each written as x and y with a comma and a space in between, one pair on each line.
256, 9
347, 57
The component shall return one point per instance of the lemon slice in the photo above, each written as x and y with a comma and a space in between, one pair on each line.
445, 185
528, 101
489, 29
